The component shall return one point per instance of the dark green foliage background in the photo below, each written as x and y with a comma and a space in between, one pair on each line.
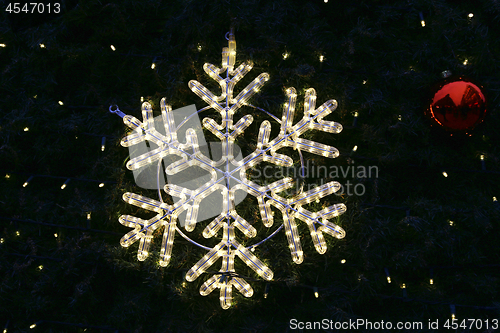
401, 223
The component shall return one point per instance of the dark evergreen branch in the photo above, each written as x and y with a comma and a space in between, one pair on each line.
61, 226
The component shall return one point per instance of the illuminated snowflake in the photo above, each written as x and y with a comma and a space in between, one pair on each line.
228, 175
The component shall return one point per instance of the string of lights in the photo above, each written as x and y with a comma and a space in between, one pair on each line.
59, 225
318, 292
63, 186
64, 323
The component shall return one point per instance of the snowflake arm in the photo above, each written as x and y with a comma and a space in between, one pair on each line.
143, 231
289, 137
228, 248
167, 215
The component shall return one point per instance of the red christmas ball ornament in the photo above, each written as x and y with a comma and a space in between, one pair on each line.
458, 105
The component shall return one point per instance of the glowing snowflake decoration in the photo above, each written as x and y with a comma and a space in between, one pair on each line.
225, 173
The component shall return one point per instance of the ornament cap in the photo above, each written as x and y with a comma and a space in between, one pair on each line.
446, 74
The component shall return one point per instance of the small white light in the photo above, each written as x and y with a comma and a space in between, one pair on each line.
184, 284
35, 96
388, 279
445, 174
56, 235
495, 199
27, 181
5, 330
199, 47
431, 281
40, 267
3, 45
61, 103
453, 316
354, 148
63, 186
465, 62
32, 326
451, 223
403, 286
112, 47
342, 261
316, 294
285, 55
400, 118
356, 114
364, 81
422, 23
89, 215
26, 129
7, 176
42, 46
266, 290
101, 185
103, 147
482, 157
153, 65
252, 249
470, 15
321, 58
326, 1
2, 240
18, 233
